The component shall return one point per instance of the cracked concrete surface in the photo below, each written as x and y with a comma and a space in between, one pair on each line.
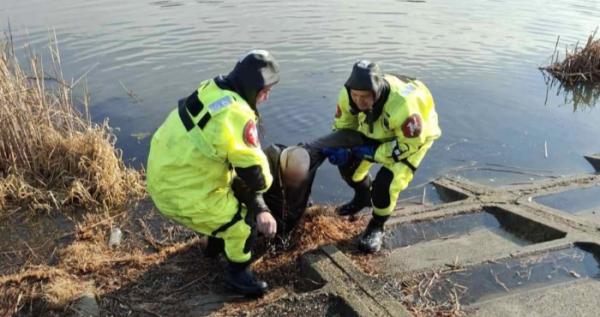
525, 229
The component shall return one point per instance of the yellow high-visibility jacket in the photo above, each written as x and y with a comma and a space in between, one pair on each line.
195, 154
407, 126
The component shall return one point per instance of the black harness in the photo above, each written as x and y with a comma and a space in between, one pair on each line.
194, 106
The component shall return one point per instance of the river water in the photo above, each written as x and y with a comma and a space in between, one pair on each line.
479, 59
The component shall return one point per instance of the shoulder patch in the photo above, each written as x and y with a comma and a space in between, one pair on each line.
220, 104
338, 111
251, 134
412, 126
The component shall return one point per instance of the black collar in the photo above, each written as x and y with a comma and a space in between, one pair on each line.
225, 83
383, 98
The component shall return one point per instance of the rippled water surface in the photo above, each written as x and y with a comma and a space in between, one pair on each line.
479, 58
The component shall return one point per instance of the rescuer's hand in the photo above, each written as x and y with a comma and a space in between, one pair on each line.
266, 224
336, 156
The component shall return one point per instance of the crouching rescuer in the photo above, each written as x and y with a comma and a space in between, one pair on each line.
206, 148
397, 116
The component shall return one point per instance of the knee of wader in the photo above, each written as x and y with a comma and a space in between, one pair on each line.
380, 192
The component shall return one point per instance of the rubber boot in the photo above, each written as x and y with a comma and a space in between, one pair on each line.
361, 199
372, 238
214, 247
239, 277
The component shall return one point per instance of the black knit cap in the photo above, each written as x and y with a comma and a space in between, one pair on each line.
253, 72
366, 75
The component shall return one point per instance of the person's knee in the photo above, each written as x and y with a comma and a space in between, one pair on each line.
362, 171
346, 171
380, 192
387, 186
236, 254
239, 242
250, 221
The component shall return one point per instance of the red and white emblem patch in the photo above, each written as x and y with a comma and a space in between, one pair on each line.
251, 134
412, 126
338, 111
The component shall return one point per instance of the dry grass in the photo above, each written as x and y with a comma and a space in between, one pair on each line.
581, 65
62, 291
164, 279
422, 294
51, 156
319, 226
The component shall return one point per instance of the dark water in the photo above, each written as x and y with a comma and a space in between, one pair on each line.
479, 58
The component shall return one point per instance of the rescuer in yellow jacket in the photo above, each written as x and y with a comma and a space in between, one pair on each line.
397, 116
206, 145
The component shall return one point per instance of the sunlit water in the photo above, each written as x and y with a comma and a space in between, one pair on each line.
479, 59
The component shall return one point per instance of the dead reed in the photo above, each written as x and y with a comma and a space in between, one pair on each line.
581, 65
52, 157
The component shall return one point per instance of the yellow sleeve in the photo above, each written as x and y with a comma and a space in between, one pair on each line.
414, 133
344, 119
409, 142
244, 152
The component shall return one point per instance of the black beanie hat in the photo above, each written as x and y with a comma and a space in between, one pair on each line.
366, 75
253, 72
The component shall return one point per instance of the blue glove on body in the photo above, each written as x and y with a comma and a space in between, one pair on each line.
336, 156
365, 152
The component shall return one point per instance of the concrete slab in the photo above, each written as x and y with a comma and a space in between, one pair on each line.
501, 177
576, 299
517, 227
512, 254
467, 248
428, 194
489, 282
591, 215
594, 159
341, 278
461, 187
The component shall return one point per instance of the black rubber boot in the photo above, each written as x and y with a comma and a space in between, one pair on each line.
242, 280
372, 238
214, 247
361, 199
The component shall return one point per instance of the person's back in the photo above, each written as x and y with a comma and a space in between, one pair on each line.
190, 177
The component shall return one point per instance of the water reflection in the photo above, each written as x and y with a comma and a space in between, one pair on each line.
478, 61
582, 97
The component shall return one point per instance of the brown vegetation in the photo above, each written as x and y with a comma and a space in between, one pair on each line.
580, 65
159, 269
51, 156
